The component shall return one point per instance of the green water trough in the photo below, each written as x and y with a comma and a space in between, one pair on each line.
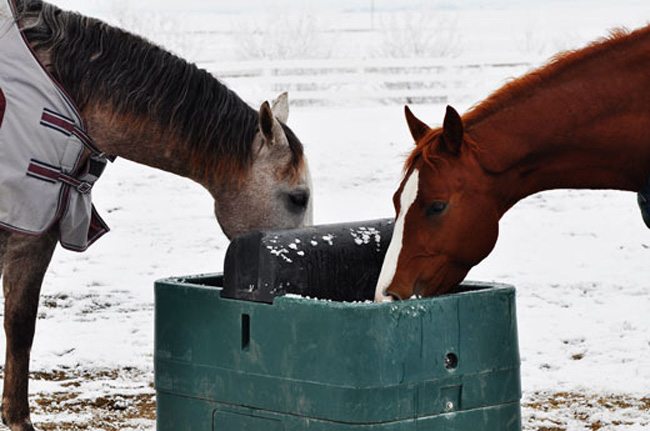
449, 363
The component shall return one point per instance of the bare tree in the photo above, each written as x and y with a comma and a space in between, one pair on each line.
421, 33
282, 36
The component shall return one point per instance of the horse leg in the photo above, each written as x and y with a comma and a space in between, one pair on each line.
3, 243
25, 262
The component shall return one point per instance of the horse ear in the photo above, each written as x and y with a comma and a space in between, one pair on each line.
266, 121
280, 107
418, 128
452, 131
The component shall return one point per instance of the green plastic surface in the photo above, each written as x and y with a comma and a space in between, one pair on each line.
445, 363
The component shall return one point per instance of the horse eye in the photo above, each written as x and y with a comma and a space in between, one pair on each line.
436, 208
299, 199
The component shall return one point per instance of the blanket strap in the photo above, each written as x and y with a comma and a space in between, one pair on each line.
52, 174
65, 125
3, 105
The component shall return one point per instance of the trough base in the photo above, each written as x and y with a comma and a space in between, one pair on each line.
191, 414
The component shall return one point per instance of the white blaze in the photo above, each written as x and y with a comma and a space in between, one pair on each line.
409, 193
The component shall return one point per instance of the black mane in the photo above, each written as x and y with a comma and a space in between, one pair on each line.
97, 63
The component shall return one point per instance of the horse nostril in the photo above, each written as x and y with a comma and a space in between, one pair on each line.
299, 199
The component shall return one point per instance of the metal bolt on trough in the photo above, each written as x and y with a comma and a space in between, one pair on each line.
261, 360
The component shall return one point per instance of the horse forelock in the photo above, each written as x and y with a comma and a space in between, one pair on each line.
104, 65
296, 166
426, 149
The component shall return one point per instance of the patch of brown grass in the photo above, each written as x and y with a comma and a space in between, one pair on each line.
581, 407
645, 404
110, 409
114, 412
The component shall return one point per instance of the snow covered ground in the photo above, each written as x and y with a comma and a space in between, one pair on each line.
578, 258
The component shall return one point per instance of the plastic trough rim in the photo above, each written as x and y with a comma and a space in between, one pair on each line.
488, 287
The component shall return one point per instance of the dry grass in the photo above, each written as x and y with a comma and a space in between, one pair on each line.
115, 412
97, 400
544, 411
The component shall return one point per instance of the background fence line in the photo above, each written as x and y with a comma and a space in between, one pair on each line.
369, 81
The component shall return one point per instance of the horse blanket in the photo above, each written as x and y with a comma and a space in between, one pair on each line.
48, 163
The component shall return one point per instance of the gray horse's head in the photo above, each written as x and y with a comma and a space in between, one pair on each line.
276, 191
250, 161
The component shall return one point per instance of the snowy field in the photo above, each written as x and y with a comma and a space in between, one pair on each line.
579, 259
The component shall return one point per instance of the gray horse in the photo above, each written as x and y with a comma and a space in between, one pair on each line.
149, 106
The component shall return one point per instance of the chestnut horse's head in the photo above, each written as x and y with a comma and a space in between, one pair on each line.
446, 220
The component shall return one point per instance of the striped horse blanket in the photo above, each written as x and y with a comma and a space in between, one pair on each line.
48, 163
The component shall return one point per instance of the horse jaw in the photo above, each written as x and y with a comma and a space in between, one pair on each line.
309, 213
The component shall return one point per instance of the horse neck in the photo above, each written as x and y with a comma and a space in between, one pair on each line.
142, 103
138, 140
585, 127
222, 151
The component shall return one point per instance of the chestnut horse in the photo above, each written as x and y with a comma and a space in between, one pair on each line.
149, 106
582, 121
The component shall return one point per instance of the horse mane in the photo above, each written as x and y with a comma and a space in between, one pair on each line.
520, 88
98, 63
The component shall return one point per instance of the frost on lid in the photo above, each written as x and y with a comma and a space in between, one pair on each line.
283, 252
365, 235
280, 252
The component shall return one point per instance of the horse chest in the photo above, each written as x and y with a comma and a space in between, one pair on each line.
644, 203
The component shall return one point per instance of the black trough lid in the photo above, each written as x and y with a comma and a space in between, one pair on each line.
340, 262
